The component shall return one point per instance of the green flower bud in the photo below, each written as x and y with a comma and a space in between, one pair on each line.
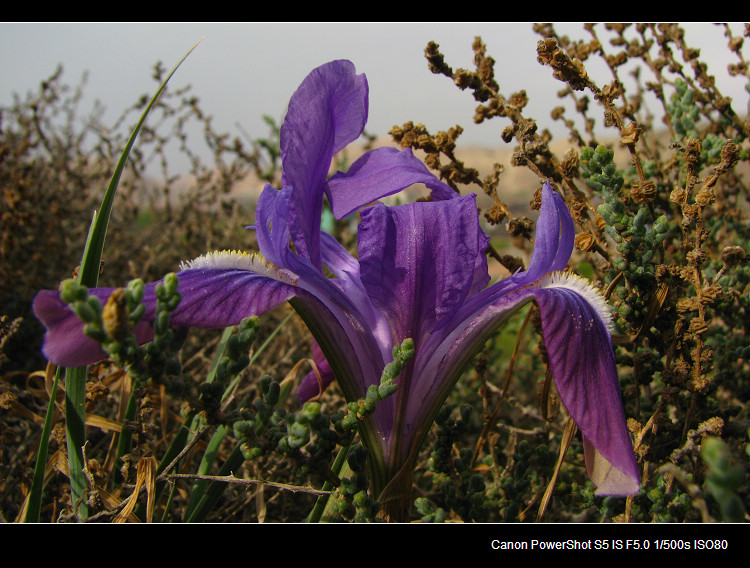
368, 406
372, 394
71, 291
619, 264
595, 185
243, 428
386, 390
171, 282
311, 411
161, 323
95, 333
299, 431
605, 210
85, 311
264, 383
283, 445
642, 217
135, 287
137, 313
174, 301
361, 500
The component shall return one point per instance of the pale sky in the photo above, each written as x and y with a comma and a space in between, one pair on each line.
241, 71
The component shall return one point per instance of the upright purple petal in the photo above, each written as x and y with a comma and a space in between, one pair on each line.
554, 237
418, 262
327, 112
272, 224
332, 98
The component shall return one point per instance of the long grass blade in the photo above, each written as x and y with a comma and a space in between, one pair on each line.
34, 502
75, 431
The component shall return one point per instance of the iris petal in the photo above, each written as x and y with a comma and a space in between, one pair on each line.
65, 343
554, 237
580, 353
211, 298
327, 112
377, 174
418, 261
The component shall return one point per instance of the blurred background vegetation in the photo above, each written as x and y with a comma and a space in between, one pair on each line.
661, 207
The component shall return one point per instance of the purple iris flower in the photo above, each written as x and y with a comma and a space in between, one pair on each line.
421, 273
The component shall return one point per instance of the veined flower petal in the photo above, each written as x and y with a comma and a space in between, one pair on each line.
579, 348
419, 262
583, 287
576, 322
327, 112
377, 174
212, 297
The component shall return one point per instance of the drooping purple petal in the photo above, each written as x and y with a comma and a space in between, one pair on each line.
582, 364
211, 298
580, 353
377, 174
65, 344
221, 297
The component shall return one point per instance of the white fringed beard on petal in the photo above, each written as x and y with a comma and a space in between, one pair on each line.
564, 279
241, 260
